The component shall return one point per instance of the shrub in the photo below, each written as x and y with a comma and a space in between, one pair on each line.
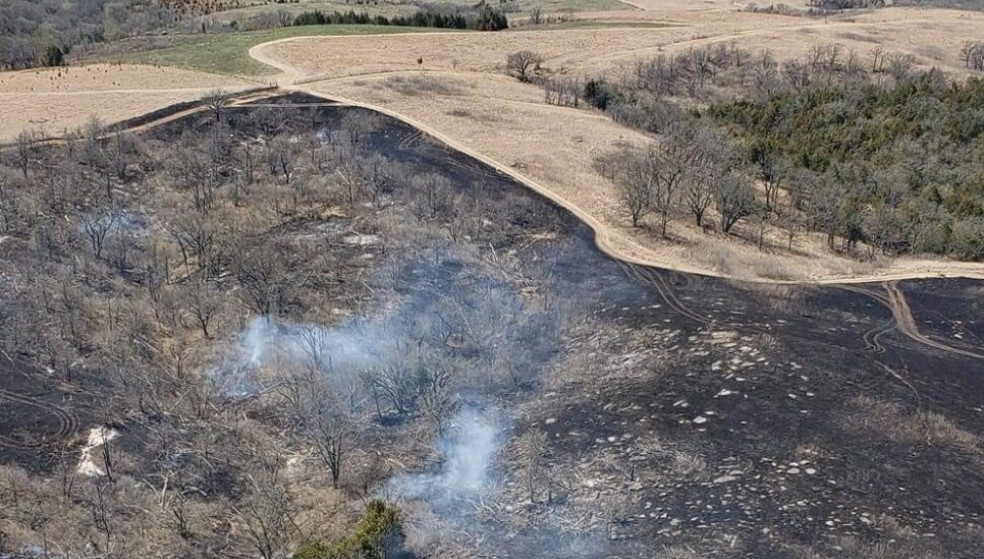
379, 535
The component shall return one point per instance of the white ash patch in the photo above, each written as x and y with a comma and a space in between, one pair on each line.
361, 240
98, 436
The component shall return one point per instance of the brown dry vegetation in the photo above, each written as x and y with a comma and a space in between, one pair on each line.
53, 99
554, 147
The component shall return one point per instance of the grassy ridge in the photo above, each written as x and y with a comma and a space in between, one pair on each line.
228, 53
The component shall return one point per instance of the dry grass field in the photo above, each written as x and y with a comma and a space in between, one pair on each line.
53, 99
460, 93
933, 36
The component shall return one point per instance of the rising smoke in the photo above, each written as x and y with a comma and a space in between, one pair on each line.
468, 452
349, 346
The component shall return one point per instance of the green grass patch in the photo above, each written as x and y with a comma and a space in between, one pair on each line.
228, 53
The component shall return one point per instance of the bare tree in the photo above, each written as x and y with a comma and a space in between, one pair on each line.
735, 200
282, 156
673, 160
284, 18
699, 195
771, 171
331, 432
900, 65
533, 450
636, 180
203, 301
391, 383
97, 227
438, 402
25, 150
313, 342
266, 516
267, 276
522, 64
215, 101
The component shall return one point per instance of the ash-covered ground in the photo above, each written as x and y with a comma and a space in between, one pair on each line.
611, 410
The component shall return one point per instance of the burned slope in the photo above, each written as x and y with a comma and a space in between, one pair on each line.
298, 266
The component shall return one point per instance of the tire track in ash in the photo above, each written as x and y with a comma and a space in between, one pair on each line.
68, 423
872, 338
903, 320
410, 140
652, 278
907, 322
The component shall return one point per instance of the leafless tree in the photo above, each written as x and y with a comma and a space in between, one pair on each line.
267, 276
771, 171
97, 226
282, 156
215, 101
313, 342
391, 383
735, 200
900, 65
25, 151
972, 54
331, 433
673, 159
284, 17
698, 195
522, 64
533, 450
433, 195
561, 91
266, 516
438, 402
636, 180
357, 126
204, 301
765, 75
656, 76
192, 170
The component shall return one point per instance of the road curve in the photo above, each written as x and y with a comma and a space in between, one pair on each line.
608, 240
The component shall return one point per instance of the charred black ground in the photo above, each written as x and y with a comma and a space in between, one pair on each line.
684, 414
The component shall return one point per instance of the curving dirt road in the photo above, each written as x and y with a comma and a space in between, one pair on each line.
608, 239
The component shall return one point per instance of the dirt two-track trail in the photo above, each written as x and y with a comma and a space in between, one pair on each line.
609, 240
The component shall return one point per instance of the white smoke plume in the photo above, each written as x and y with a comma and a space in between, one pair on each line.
469, 451
346, 347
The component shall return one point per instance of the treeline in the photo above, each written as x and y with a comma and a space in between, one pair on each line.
845, 4
896, 167
487, 19
869, 151
41, 32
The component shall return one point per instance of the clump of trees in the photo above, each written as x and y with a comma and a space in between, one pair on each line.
972, 54
42, 32
845, 4
896, 168
523, 65
870, 152
379, 535
135, 262
487, 19
688, 170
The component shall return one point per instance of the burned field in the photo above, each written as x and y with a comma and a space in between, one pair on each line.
338, 267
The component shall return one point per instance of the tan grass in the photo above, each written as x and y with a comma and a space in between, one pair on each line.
53, 99
553, 148
920, 428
